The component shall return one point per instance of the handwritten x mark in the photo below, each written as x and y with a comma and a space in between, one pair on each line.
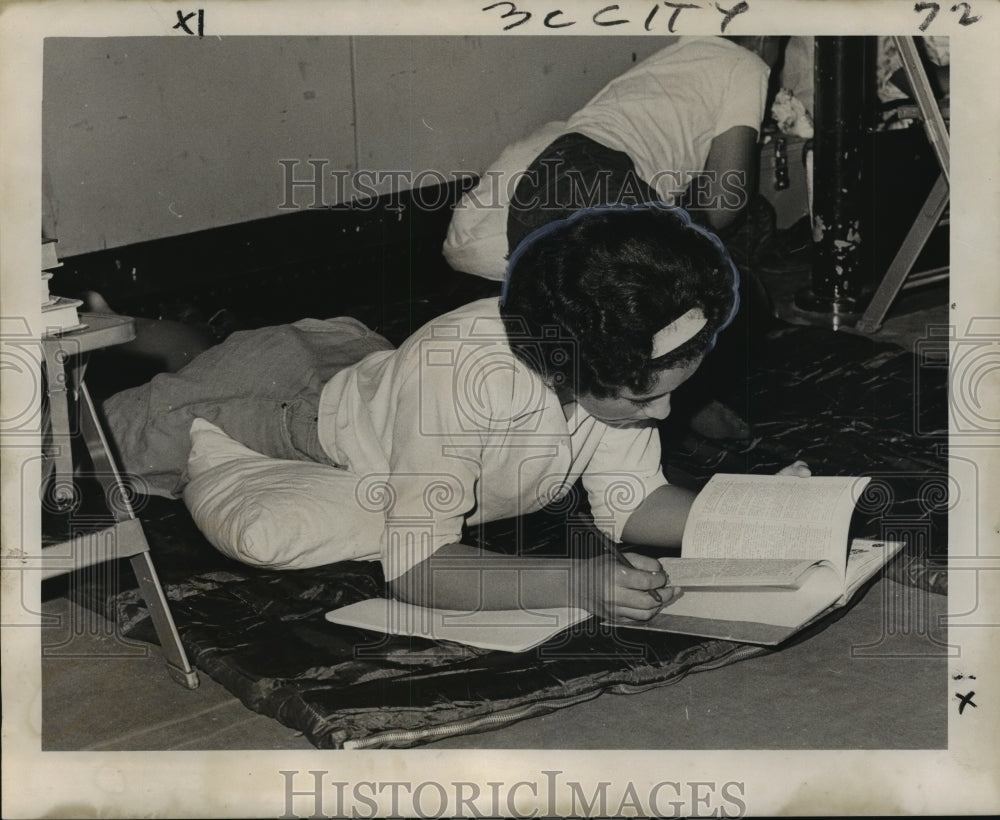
965, 700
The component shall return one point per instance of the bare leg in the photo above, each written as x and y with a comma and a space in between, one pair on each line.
162, 344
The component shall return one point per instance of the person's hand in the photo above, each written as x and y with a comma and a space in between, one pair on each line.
799, 469
635, 588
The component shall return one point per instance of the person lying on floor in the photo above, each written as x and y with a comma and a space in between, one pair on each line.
488, 412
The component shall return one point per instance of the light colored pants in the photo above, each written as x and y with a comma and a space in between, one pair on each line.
259, 386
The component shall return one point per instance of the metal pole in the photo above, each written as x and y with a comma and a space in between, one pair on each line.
843, 77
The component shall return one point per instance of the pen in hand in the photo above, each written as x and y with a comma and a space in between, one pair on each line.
623, 561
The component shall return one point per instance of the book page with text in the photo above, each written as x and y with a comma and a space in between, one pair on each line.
754, 516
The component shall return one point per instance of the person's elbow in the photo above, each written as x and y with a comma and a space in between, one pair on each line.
722, 219
724, 209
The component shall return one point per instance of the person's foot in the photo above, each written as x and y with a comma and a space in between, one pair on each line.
717, 421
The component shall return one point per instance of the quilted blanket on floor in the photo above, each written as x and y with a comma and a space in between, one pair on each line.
264, 637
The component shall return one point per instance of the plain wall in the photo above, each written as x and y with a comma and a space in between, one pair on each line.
147, 137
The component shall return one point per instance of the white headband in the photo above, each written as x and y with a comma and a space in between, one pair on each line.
681, 330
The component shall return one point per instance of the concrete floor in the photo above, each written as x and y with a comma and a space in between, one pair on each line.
890, 677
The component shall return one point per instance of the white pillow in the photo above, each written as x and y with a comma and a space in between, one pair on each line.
275, 513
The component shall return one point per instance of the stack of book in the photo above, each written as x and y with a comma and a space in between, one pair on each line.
59, 314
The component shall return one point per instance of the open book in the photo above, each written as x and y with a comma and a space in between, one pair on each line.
763, 556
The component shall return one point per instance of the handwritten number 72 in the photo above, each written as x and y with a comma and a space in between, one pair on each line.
967, 18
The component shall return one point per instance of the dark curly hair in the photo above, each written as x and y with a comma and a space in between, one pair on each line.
585, 295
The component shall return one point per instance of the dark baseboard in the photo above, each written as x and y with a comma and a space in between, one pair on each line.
380, 261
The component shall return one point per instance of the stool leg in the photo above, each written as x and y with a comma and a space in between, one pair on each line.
159, 610
142, 563
59, 461
901, 265
930, 111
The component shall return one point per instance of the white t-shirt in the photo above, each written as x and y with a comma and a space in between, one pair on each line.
663, 113
452, 427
